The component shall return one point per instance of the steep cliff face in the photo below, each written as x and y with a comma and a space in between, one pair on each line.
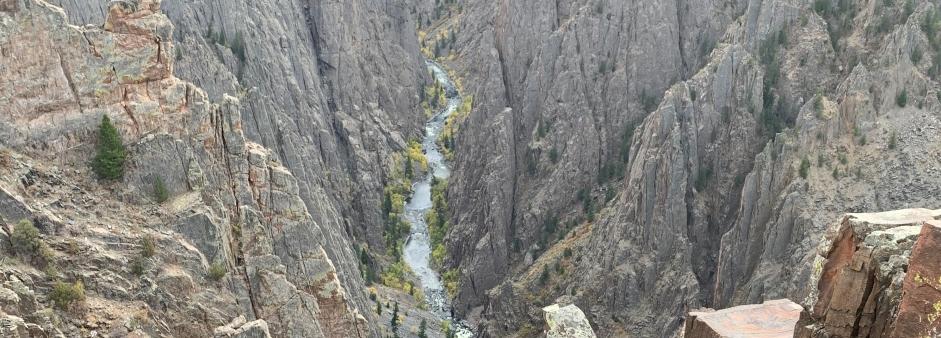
330, 87
718, 196
228, 168
557, 89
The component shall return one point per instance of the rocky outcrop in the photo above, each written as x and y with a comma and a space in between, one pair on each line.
232, 205
567, 322
238, 328
875, 277
774, 318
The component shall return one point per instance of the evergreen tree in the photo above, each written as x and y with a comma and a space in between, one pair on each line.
378, 308
408, 167
422, 328
395, 317
109, 163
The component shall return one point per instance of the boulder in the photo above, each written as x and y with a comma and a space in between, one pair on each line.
238, 328
567, 322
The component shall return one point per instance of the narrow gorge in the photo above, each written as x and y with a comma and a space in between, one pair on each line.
470, 168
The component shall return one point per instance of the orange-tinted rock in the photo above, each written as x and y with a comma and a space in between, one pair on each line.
771, 319
919, 313
860, 273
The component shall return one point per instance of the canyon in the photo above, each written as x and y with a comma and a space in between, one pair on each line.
373, 168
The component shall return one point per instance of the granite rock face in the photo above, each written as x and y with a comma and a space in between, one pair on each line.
694, 196
234, 200
332, 88
874, 277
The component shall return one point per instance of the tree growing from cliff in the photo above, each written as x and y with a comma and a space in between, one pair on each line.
109, 163
422, 328
395, 317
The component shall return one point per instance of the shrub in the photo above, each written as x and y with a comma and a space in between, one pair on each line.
109, 163
216, 271
160, 190
804, 168
544, 276
148, 248
902, 98
892, 140
63, 294
649, 102
29, 245
138, 266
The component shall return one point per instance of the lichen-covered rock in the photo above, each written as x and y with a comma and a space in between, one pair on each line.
567, 322
864, 271
919, 311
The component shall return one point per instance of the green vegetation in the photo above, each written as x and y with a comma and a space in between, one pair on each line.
839, 18
148, 247
395, 318
109, 163
446, 139
450, 280
138, 266
422, 328
64, 295
893, 143
216, 271
818, 105
554, 155
648, 102
901, 99
916, 55
775, 109
29, 246
544, 276
703, 177
804, 168
447, 330
160, 190
437, 221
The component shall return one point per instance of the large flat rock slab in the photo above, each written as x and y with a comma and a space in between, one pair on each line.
771, 319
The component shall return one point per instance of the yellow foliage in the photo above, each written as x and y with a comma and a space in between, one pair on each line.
416, 154
450, 279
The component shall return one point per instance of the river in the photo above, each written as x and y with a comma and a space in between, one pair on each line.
417, 251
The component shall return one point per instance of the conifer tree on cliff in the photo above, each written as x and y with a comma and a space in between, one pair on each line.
109, 162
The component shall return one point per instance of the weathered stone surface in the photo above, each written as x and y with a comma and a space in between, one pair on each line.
711, 206
919, 312
232, 201
774, 318
567, 322
238, 328
859, 275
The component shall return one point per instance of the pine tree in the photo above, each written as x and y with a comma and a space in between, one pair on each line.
408, 167
109, 163
422, 328
395, 317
